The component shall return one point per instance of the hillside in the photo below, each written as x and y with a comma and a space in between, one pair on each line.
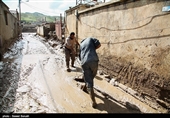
33, 17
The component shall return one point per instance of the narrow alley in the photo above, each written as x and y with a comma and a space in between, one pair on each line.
35, 80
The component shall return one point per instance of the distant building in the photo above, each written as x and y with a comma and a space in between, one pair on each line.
45, 28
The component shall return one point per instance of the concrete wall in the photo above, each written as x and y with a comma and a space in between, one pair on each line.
58, 30
135, 38
71, 22
44, 29
29, 28
9, 27
40, 30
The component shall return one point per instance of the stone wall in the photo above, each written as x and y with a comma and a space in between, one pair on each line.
135, 38
9, 27
29, 28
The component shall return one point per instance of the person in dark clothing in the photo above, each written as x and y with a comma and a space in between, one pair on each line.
89, 63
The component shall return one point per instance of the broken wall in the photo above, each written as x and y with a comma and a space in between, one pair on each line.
40, 30
135, 39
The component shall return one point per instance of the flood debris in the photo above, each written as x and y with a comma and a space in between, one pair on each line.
17, 94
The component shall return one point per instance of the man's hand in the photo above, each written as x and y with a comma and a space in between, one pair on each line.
73, 52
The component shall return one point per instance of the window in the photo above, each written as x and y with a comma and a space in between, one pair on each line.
6, 17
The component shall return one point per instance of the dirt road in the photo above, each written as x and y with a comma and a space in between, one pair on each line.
35, 80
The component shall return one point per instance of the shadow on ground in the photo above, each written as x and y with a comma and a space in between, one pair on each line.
110, 105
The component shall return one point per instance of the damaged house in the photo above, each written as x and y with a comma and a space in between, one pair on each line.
44, 29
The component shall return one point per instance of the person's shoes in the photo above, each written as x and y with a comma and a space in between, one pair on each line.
73, 66
84, 88
94, 104
68, 70
92, 96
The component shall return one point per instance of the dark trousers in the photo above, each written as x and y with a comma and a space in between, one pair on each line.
89, 72
68, 55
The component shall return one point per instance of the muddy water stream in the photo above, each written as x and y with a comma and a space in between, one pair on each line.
35, 80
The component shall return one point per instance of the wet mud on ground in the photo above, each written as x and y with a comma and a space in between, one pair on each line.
34, 80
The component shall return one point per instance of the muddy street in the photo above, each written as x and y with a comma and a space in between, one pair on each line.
34, 80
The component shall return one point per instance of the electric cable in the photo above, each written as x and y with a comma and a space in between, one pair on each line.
40, 10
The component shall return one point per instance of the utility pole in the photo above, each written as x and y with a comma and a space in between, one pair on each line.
20, 11
61, 33
20, 18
